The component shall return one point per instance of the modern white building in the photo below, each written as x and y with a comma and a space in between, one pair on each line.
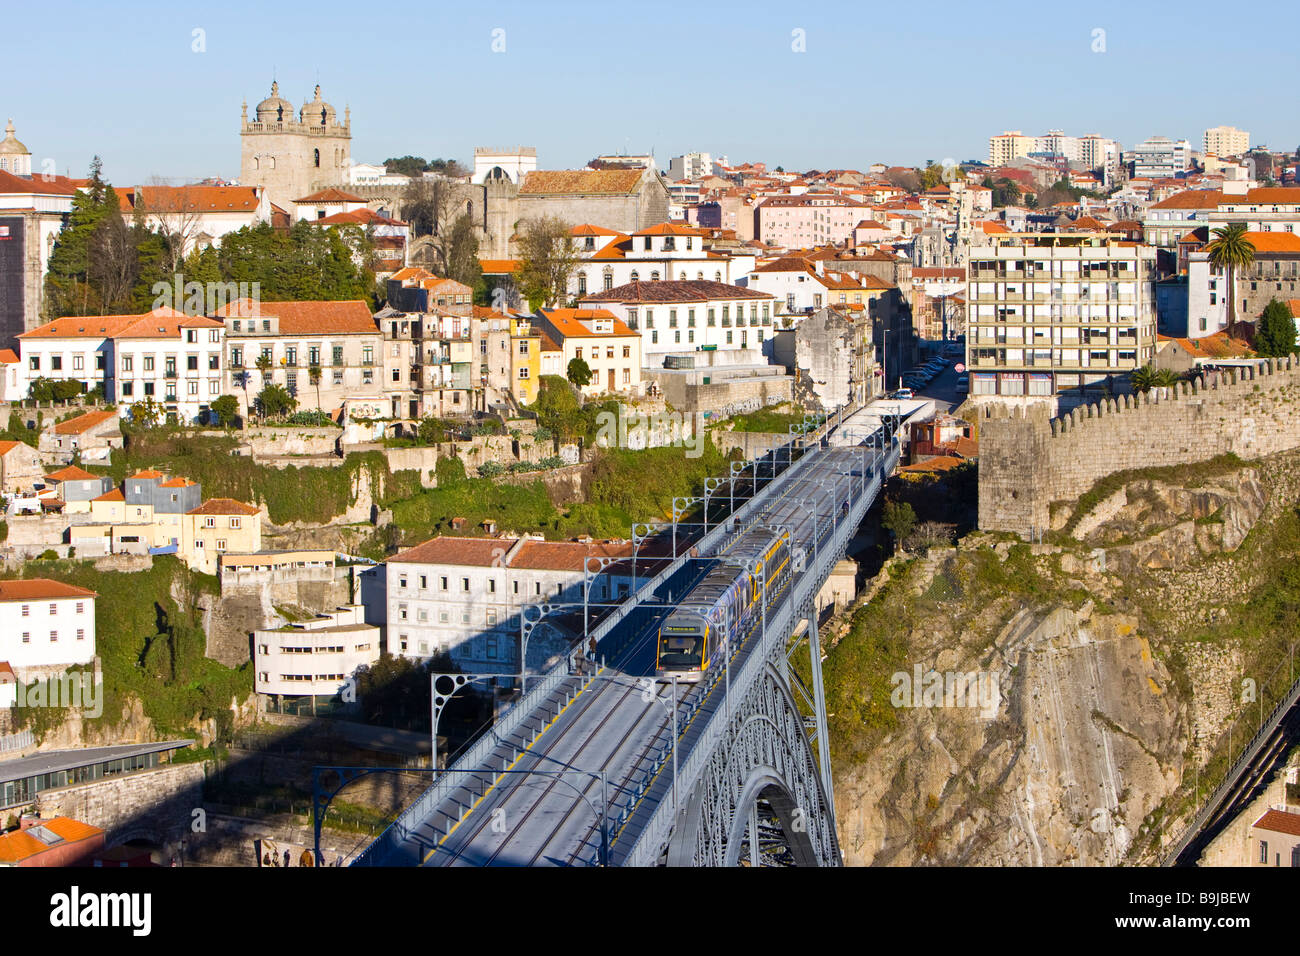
690, 166
314, 658
45, 623
164, 355
464, 597
373, 174
1161, 158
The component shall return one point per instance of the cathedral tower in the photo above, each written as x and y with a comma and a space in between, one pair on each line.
294, 155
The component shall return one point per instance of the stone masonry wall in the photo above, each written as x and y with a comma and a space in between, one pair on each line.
156, 804
1028, 461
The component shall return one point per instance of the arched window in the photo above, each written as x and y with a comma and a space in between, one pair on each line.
634, 276
316, 155
609, 278
654, 276
717, 277
4, 162
582, 283
257, 162
699, 276
469, 208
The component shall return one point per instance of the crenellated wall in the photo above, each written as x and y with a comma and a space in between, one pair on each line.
1028, 461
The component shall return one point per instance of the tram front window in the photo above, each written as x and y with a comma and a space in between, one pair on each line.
680, 651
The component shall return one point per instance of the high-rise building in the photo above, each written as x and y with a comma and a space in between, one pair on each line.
690, 166
1010, 145
1161, 158
1227, 141
1053, 311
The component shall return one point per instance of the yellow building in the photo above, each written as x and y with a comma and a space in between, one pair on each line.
215, 527
526, 360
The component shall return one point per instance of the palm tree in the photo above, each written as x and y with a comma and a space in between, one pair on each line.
313, 376
1229, 250
1148, 377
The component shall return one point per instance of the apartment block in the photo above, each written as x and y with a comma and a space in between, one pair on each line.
1226, 141
1056, 311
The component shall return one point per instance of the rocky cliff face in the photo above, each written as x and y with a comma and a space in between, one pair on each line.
1111, 680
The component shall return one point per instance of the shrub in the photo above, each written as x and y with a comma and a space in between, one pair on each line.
551, 461
47, 555
490, 469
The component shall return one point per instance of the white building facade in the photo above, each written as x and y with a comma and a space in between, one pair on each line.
45, 623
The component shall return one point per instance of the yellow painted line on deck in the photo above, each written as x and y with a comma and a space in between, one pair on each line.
501, 776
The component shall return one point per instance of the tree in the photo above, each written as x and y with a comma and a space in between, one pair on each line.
274, 401
1230, 250
226, 408
406, 166
147, 413
931, 176
1276, 334
908, 180
547, 257
558, 408
313, 376
898, 518
174, 215
264, 366
579, 372
1148, 377
424, 206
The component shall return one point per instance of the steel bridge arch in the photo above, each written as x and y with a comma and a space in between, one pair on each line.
766, 756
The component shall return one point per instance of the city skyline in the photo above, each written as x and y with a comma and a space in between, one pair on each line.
886, 112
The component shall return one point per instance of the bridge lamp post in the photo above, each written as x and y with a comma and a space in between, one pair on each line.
640, 532
682, 505
588, 576
811, 508
711, 485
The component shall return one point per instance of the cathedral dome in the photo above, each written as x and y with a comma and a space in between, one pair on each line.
10, 145
275, 109
318, 112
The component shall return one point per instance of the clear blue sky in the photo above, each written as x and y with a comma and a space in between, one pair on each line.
879, 82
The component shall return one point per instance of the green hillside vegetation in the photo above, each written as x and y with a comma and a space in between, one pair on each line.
625, 486
151, 648
309, 493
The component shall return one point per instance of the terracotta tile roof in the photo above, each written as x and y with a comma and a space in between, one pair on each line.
498, 266
83, 423
188, 199
549, 345
7, 446
668, 229
1274, 241
938, 463
39, 185
357, 217
40, 589
347, 317
332, 194
114, 495
553, 182
6, 673
180, 483
691, 290
71, 473
568, 323
786, 264
1217, 345
586, 229
8, 357
565, 555
1279, 821
410, 272
1191, 199
1272, 195
994, 228
465, 552
223, 506
148, 473
160, 323
22, 845
531, 554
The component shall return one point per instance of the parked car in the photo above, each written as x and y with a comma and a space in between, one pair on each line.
903, 393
